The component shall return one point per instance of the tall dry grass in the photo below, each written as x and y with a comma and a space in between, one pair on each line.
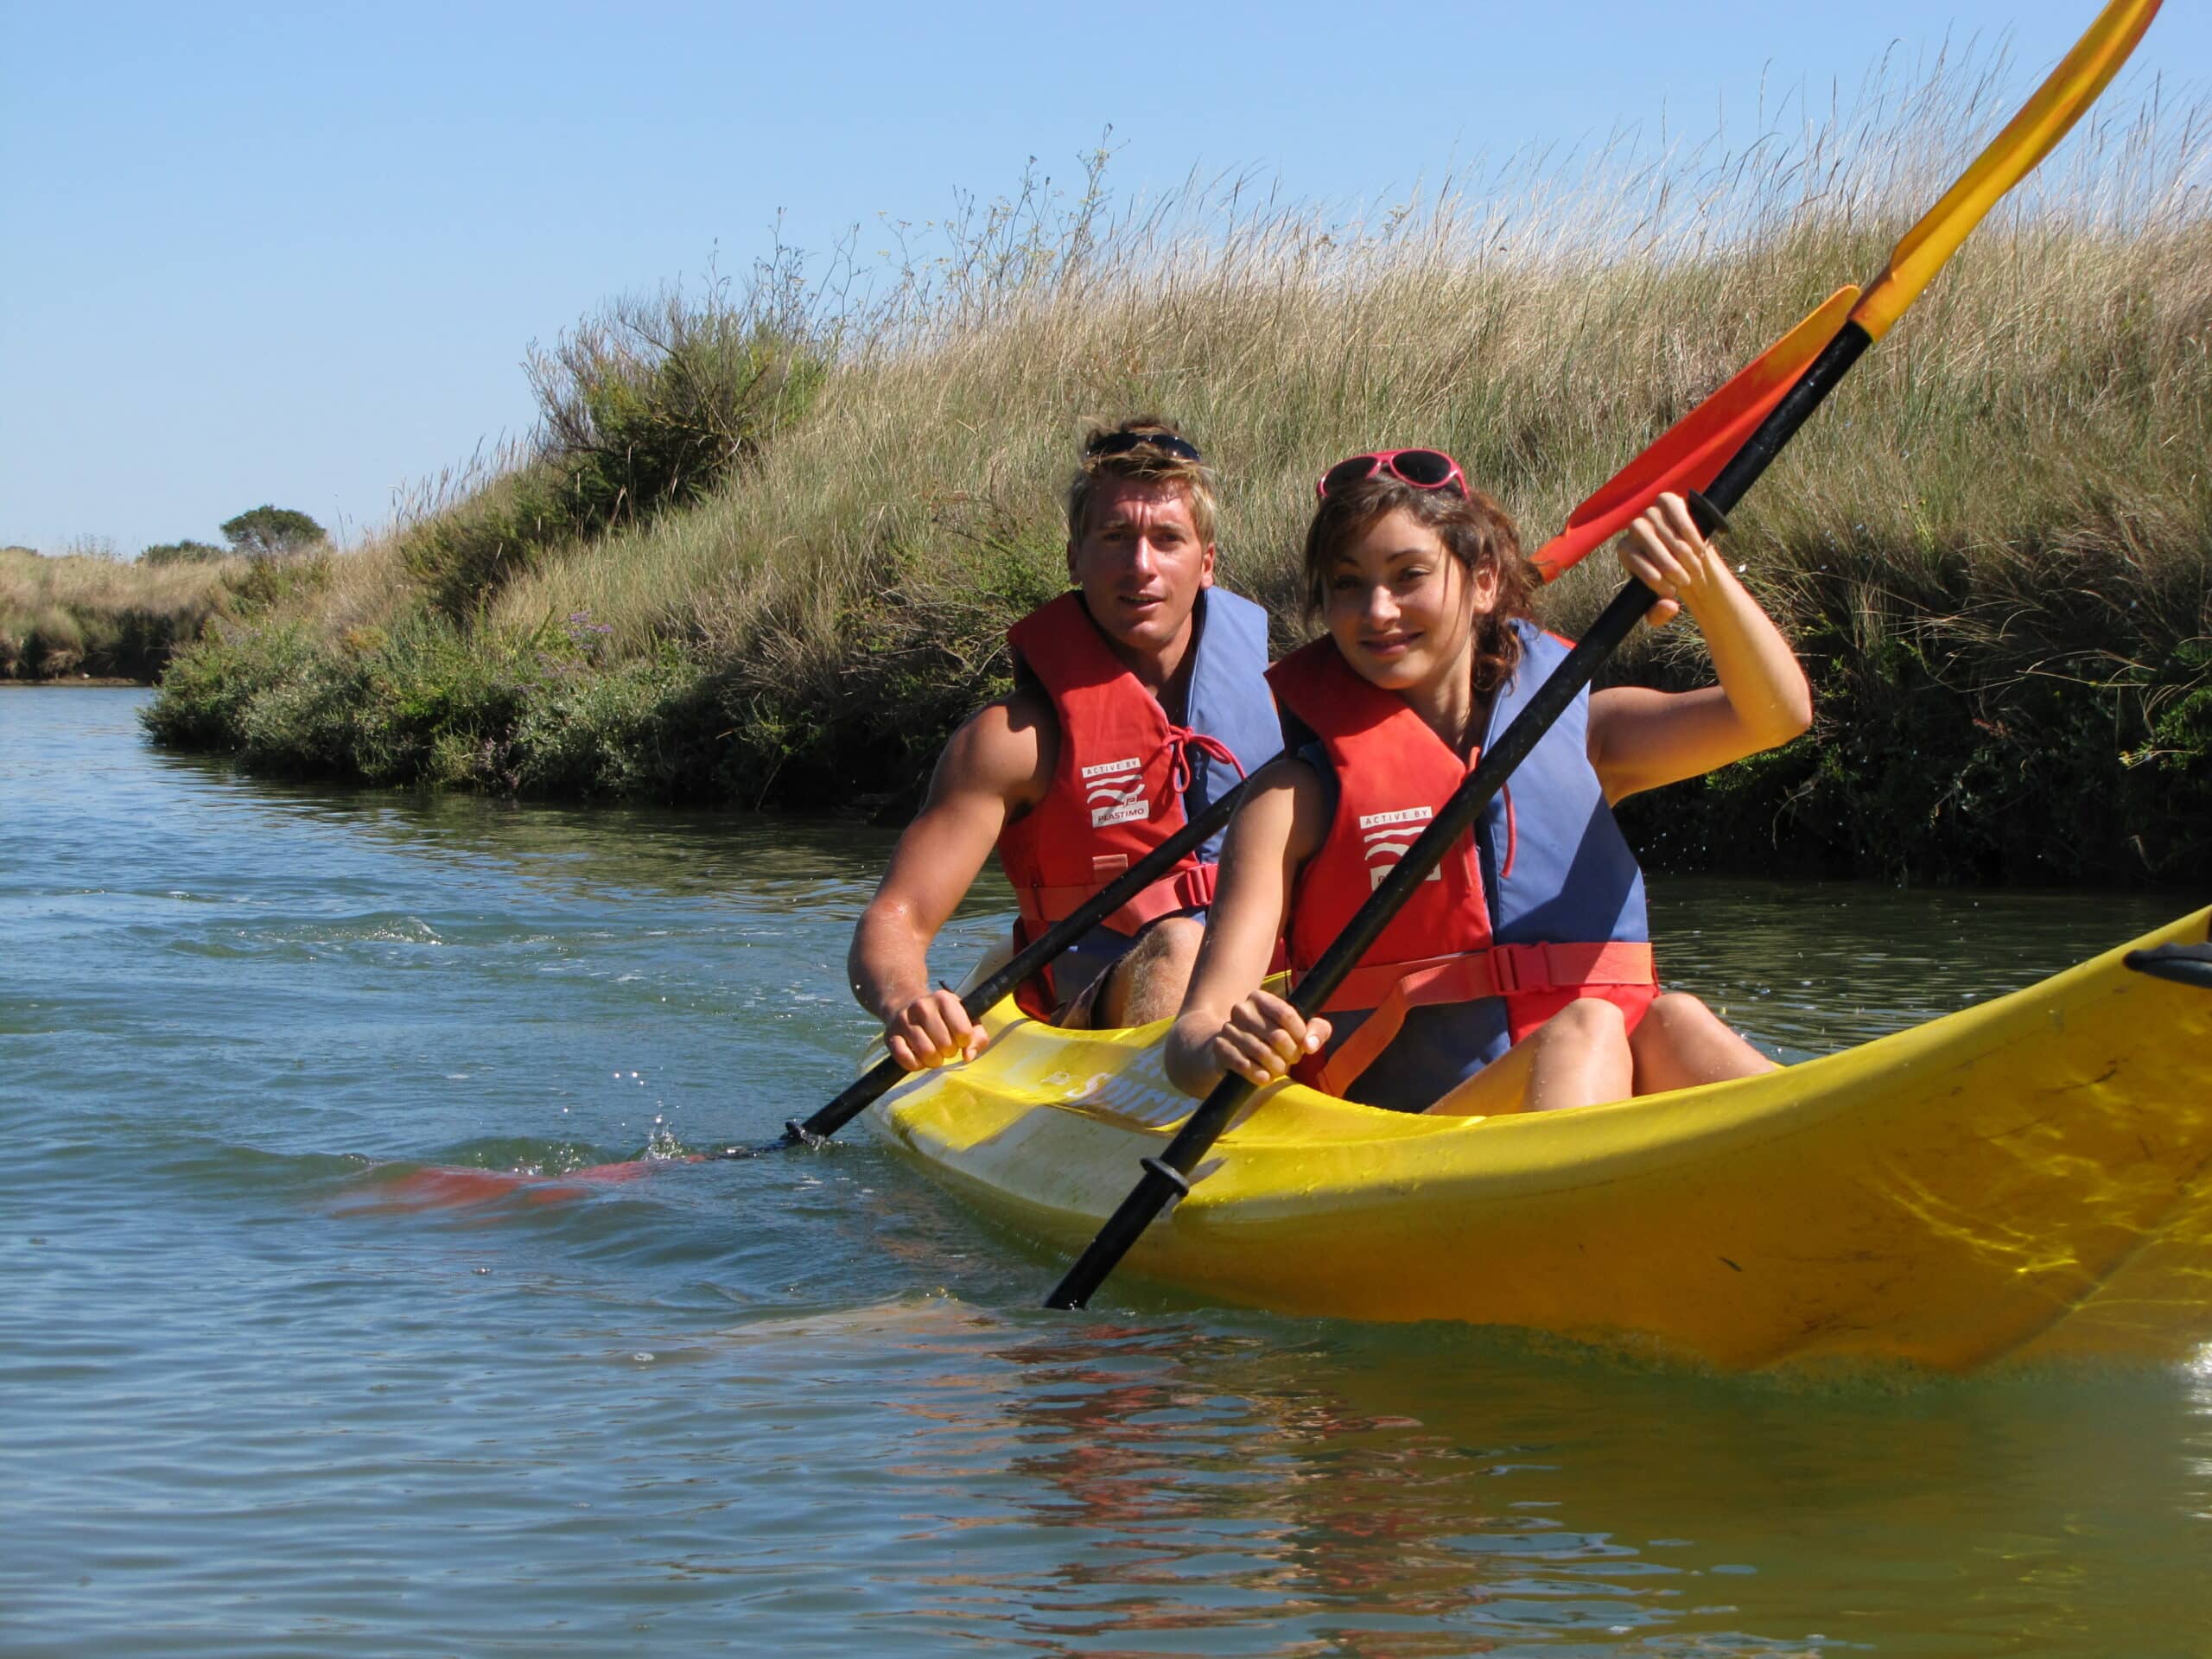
78, 614
2011, 490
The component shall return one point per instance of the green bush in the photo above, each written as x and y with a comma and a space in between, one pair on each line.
465, 553
645, 407
185, 552
651, 406
428, 703
267, 584
212, 683
645, 729
271, 533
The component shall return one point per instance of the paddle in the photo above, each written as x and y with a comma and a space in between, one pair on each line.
872, 1085
2025, 140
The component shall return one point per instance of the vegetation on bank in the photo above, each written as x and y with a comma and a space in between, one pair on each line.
762, 548
85, 614
79, 614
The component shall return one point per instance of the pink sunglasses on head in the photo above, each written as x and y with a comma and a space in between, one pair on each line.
1425, 469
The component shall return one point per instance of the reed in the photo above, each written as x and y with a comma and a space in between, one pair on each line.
1992, 549
79, 614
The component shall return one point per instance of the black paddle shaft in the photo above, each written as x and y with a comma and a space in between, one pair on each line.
1167, 1177
874, 1083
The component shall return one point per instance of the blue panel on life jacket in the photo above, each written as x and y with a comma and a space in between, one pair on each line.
1228, 700
1438, 1048
1571, 876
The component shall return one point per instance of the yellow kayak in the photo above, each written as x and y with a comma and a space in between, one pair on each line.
2025, 1179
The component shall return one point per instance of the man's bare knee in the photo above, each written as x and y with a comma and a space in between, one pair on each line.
1155, 972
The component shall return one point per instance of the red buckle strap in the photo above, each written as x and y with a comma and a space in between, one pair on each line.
1392, 988
1189, 889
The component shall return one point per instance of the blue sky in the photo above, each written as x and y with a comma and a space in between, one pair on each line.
295, 254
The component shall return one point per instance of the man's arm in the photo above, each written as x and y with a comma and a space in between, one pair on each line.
995, 767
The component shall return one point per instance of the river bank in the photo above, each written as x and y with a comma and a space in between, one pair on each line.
71, 682
75, 618
1993, 550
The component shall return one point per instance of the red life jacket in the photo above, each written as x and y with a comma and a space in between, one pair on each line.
1117, 784
1392, 773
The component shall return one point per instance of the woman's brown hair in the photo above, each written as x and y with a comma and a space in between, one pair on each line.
1472, 526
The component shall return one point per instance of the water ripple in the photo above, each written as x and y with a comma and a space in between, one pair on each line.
327, 1330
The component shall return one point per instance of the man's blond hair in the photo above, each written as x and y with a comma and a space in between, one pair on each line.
1147, 463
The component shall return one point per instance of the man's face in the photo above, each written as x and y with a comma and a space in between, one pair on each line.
1140, 563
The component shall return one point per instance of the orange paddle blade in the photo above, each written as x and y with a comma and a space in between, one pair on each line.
1689, 454
2042, 122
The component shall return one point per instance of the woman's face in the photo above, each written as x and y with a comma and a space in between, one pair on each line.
1400, 608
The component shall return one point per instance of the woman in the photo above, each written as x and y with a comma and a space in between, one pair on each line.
1518, 976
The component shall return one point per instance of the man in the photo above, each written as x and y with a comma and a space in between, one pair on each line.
1138, 698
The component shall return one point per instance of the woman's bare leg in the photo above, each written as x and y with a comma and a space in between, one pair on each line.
1680, 1042
1579, 1057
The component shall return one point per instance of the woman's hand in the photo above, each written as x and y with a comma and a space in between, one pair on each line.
1261, 1039
1663, 549
1639, 738
1227, 1022
933, 1029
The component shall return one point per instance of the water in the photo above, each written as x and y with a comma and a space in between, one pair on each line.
259, 1397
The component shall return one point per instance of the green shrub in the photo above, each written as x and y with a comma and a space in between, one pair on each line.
466, 552
212, 683
645, 728
652, 405
264, 585
271, 533
185, 552
428, 703
645, 407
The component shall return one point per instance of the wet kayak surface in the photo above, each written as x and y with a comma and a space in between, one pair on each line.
339, 1316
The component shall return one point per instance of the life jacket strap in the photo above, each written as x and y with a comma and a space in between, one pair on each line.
1187, 889
1392, 987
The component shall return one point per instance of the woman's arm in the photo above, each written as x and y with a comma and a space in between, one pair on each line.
1639, 738
1227, 1022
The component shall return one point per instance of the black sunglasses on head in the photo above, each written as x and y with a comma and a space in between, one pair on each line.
1120, 443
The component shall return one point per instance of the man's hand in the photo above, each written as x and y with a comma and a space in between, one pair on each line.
933, 1029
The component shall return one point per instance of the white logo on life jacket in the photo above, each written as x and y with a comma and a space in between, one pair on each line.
1114, 790
1386, 836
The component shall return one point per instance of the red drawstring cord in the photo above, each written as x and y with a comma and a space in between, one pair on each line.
1181, 740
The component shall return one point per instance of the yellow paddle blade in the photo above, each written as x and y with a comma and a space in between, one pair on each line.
2072, 87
